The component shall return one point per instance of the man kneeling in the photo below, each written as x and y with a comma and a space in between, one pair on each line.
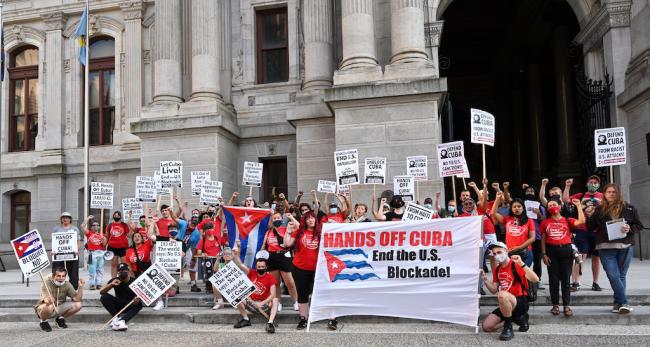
510, 279
123, 296
54, 292
264, 293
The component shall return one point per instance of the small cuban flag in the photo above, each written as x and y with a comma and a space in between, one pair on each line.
249, 225
355, 258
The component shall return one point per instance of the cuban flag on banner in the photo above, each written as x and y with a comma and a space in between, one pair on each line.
348, 264
26, 245
248, 225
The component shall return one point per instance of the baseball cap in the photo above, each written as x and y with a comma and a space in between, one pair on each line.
262, 255
123, 267
66, 214
498, 244
594, 177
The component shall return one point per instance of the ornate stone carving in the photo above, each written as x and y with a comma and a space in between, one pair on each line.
611, 15
123, 58
432, 33
251, 101
132, 10
238, 68
18, 32
68, 123
55, 20
66, 65
146, 56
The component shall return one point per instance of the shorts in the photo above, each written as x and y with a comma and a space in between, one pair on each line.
118, 252
520, 310
61, 308
279, 261
586, 242
190, 263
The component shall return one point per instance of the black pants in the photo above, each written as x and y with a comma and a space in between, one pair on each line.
304, 283
72, 266
113, 305
559, 273
537, 258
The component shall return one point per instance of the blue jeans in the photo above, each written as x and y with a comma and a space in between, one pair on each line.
96, 269
616, 262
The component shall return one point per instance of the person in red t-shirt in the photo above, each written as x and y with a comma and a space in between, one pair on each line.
520, 231
557, 252
336, 214
510, 279
118, 240
96, 245
280, 258
208, 250
265, 289
138, 256
163, 224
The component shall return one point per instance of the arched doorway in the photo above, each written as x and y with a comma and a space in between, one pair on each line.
511, 58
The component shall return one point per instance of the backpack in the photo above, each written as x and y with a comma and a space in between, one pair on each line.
530, 289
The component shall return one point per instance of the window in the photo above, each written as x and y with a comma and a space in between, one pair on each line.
23, 99
272, 46
20, 213
101, 74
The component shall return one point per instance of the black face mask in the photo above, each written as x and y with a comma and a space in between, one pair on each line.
123, 275
261, 272
194, 221
116, 218
277, 223
211, 213
530, 196
556, 196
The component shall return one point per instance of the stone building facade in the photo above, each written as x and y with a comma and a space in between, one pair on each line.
214, 83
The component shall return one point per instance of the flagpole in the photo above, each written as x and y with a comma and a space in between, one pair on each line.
86, 121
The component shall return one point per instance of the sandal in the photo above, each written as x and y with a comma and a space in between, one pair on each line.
568, 312
556, 310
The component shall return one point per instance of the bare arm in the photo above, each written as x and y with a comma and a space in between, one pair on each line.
236, 253
345, 206
542, 193
506, 192
296, 202
581, 214
491, 286
566, 193
316, 203
232, 198
292, 227
436, 202
497, 202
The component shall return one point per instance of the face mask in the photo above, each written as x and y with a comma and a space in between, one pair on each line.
95, 227
195, 220
261, 272
210, 213
333, 210
530, 196
117, 218
592, 187
451, 209
142, 223
58, 283
429, 206
501, 258
277, 223
124, 275
173, 233
555, 196
554, 210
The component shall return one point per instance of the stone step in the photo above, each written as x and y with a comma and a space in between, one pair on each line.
586, 315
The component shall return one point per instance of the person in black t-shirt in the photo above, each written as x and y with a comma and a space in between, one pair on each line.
123, 296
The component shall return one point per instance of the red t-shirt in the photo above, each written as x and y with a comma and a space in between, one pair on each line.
144, 253
517, 234
557, 232
598, 196
212, 247
336, 217
117, 235
262, 284
216, 221
506, 281
95, 242
272, 242
142, 231
163, 226
306, 252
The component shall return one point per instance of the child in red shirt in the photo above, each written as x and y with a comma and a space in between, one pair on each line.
96, 245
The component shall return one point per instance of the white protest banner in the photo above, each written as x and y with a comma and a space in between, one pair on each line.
530, 206
610, 146
101, 195
171, 174
404, 186
482, 128
197, 178
64, 246
252, 174
451, 157
326, 186
168, 255
343, 189
134, 206
375, 171
232, 283
417, 167
30, 252
152, 284
210, 192
433, 263
414, 211
347, 166
159, 188
145, 189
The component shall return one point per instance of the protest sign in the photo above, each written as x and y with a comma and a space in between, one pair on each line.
404, 186
210, 192
615, 229
145, 189
233, 284
347, 166
101, 195
252, 174
160, 190
375, 171
171, 174
451, 159
343, 189
168, 255
417, 167
414, 211
531, 205
64, 246
433, 263
610, 146
482, 127
30, 252
134, 206
197, 178
326, 186
152, 284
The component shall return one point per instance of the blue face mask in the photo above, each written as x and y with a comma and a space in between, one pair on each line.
429, 206
451, 209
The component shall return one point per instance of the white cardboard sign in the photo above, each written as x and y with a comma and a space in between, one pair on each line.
252, 174
197, 178
326, 186
101, 195
482, 128
375, 171
210, 192
232, 283
64, 246
134, 206
145, 188
347, 166
404, 186
168, 255
171, 174
152, 284
611, 148
451, 159
416, 166
30, 252
414, 211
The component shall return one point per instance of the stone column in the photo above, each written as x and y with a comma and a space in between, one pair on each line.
358, 35
319, 59
535, 127
51, 124
167, 65
206, 40
407, 32
133, 11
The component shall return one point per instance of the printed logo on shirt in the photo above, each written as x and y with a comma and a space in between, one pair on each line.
505, 280
95, 239
116, 231
557, 231
260, 288
516, 230
309, 242
133, 260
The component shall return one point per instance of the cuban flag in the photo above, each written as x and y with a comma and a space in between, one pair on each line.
354, 261
27, 244
248, 225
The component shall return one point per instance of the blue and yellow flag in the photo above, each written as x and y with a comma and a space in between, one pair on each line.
80, 34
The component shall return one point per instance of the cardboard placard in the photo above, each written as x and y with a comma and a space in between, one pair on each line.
168, 255
145, 189
152, 284
347, 166
404, 186
375, 171
210, 192
197, 179
30, 252
64, 246
611, 148
232, 283
326, 186
482, 127
451, 159
414, 211
134, 206
416, 166
171, 174
252, 174
101, 195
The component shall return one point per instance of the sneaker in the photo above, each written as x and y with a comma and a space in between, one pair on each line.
120, 325
45, 326
575, 287
60, 321
332, 324
279, 308
296, 307
482, 291
270, 328
507, 333
616, 308
242, 323
302, 324
159, 305
523, 323
624, 309
195, 289
596, 288
217, 305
